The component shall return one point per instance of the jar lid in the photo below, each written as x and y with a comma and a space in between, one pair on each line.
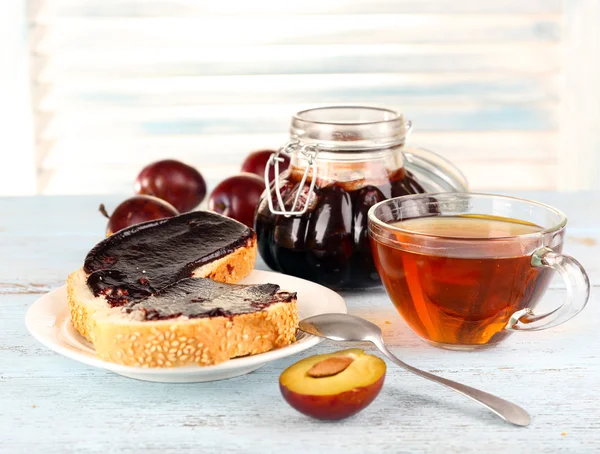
433, 172
339, 129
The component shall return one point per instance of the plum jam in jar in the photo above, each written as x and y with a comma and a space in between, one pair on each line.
312, 221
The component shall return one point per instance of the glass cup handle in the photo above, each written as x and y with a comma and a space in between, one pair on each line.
578, 293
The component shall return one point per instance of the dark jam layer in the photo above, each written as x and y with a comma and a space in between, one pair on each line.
198, 298
329, 244
136, 262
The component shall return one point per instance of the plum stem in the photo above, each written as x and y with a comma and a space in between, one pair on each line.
102, 209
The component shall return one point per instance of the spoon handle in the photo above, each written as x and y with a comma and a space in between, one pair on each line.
506, 410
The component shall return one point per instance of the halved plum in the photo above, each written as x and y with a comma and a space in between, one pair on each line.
335, 385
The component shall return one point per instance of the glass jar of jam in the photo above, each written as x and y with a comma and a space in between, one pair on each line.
312, 222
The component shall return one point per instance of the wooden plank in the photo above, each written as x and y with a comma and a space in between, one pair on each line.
483, 175
400, 89
210, 150
31, 252
133, 34
58, 399
498, 176
73, 225
184, 8
579, 111
303, 59
48, 401
244, 119
17, 157
73, 179
489, 145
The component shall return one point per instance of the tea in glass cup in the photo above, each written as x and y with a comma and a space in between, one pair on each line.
465, 270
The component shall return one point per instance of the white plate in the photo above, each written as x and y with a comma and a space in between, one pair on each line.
49, 321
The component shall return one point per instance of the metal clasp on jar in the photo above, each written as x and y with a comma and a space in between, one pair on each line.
310, 152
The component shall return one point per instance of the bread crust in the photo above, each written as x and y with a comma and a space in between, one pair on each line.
182, 341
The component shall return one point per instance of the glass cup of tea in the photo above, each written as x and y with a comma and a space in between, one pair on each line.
465, 270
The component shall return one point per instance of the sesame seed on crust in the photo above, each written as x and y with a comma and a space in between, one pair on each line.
210, 340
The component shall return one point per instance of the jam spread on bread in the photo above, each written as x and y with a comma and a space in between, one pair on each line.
198, 298
141, 260
162, 294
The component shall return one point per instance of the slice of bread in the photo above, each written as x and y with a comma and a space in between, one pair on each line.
129, 339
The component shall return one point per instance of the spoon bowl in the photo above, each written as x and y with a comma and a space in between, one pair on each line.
345, 329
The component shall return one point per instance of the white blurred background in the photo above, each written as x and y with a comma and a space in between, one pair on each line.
92, 90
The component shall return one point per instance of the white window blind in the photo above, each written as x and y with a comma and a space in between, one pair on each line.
119, 83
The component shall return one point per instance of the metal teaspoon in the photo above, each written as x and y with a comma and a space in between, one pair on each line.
349, 328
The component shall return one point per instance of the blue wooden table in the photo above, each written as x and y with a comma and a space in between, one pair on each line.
51, 404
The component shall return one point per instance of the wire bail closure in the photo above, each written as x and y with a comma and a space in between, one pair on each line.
310, 152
